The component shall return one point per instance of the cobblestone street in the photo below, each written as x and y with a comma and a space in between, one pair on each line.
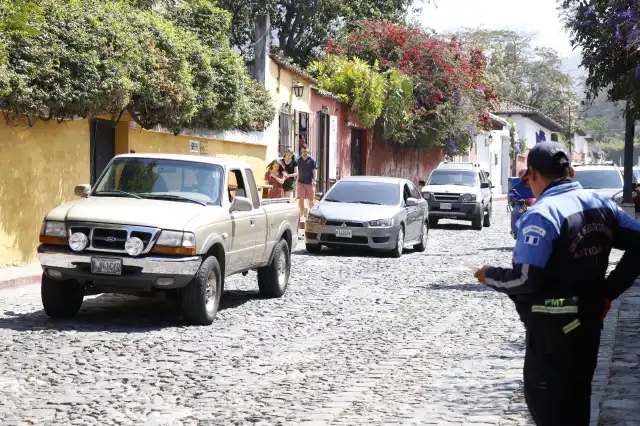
356, 340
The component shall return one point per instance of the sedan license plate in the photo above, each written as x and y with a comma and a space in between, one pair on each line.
344, 233
106, 266
445, 206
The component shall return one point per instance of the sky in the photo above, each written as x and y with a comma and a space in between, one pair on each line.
539, 16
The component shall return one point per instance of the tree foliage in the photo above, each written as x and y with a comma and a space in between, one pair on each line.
450, 95
608, 33
523, 73
97, 57
303, 27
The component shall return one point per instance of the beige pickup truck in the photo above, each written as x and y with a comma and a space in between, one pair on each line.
176, 225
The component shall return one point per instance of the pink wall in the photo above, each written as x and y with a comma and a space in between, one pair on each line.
412, 164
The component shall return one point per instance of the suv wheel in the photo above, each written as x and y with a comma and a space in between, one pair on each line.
476, 222
487, 218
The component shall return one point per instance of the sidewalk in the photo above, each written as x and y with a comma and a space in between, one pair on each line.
617, 381
19, 275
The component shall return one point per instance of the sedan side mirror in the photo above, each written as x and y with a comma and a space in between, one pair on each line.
241, 204
319, 195
82, 190
411, 202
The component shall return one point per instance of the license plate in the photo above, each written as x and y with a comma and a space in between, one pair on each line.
106, 266
445, 206
343, 233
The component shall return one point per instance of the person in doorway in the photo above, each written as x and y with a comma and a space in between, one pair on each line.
276, 177
559, 287
306, 188
291, 169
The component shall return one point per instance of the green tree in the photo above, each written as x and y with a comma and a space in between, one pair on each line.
523, 73
303, 27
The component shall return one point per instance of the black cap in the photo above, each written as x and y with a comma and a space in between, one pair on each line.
548, 157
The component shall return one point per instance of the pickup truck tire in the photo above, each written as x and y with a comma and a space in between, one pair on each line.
487, 218
61, 299
200, 300
424, 236
273, 279
476, 222
313, 248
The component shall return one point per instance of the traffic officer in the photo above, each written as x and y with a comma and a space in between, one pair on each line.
558, 284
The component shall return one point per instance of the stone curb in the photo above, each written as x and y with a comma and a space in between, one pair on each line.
20, 281
601, 375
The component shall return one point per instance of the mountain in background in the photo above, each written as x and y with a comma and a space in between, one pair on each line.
571, 65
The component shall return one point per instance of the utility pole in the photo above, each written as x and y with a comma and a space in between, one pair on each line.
570, 134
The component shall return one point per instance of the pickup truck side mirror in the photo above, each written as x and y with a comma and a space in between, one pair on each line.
82, 190
411, 202
485, 185
241, 204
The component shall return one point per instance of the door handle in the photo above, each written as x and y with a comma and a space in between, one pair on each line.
252, 221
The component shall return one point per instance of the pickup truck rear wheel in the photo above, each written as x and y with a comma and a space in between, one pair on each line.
61, 299
201, 298
273, 279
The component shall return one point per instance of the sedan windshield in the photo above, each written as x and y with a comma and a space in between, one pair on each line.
453, 177
162, 179
598, 179
361, 192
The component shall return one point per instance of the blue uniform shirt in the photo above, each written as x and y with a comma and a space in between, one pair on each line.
563, 245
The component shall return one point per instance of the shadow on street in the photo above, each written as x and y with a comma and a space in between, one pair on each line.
118, 314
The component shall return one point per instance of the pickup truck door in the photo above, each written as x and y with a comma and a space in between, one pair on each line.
261, 224
243, 225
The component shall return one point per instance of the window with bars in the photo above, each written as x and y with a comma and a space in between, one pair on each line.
284, 142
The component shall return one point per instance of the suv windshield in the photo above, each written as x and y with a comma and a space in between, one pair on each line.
598, 179
361, 192
156, 178
453, 177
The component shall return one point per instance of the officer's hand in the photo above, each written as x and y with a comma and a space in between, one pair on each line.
607, 306
481, 274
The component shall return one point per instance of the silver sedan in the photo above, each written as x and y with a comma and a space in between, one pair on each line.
381, 213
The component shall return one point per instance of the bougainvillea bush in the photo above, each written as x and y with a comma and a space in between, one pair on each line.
450, 95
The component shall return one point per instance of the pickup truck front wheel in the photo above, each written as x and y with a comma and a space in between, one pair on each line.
273, 279
201, 298
61, 299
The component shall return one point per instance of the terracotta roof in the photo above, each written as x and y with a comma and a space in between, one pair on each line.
512, 107
326, 94
292, 67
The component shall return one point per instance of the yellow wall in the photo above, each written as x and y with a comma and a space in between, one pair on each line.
280, 85
145, 141
39, 168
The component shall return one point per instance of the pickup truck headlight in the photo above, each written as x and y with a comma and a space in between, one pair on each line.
312, 218
426, 195
381, 222
53, 232
175, 243
467, 198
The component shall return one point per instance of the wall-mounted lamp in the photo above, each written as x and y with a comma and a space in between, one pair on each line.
298, 89
325, 109
488, 141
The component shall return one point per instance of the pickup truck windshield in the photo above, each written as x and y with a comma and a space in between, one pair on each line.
453, 177
156, 178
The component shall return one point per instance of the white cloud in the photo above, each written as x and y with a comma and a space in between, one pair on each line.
539, 16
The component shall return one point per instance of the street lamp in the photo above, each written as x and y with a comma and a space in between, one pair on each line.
298, 89
488, 141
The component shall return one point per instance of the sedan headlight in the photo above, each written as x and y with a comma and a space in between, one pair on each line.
381, 222
53, 232
617, 197
467, 198
312, 218
175, 242
426, 195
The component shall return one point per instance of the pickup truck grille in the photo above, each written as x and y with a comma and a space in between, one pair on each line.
112, 238
446, 197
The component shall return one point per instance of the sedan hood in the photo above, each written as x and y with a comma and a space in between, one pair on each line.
453, 189
354, 212
128, 211
604, 192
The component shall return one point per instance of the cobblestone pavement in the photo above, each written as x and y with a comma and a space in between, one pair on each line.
356, 340
621, 395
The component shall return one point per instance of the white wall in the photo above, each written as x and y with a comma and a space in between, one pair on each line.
491, 157
527, 128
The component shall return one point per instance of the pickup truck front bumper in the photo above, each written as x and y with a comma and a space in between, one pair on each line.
460, 211
142, 273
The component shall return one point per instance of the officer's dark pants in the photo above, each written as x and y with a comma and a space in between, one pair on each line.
558, 369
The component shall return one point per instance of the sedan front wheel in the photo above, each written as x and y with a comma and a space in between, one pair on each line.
399, 248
